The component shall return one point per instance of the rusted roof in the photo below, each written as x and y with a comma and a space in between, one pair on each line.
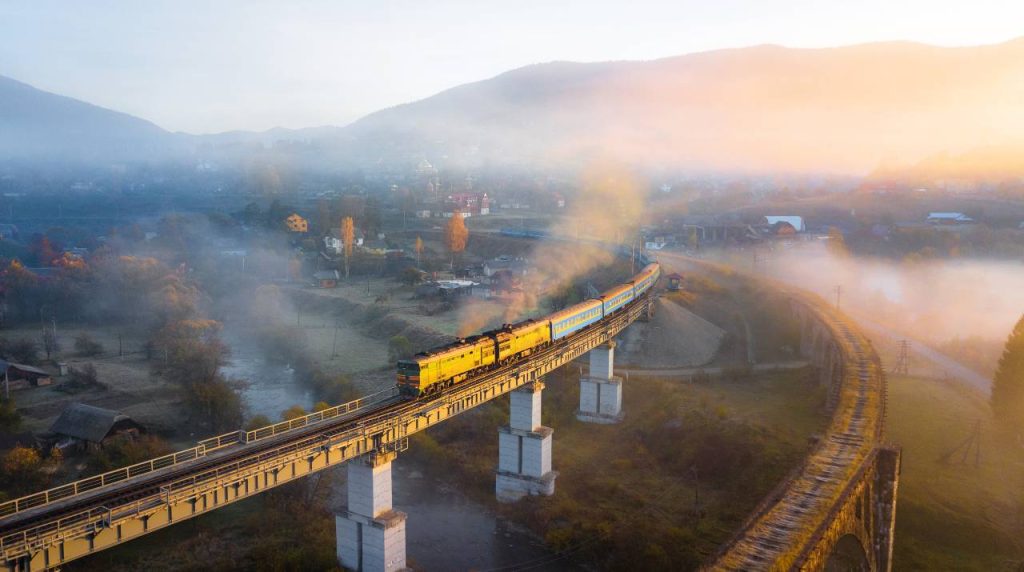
86, 422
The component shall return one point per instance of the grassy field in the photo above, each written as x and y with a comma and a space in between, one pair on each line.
128, 384
953, 515
666, 486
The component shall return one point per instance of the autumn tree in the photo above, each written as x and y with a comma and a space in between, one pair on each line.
23, 470
258, 422
43, 250
192, 350
1008, 383
124, 450
10, 419
456, 235
293, 412
215, 405
348, 237
418, 248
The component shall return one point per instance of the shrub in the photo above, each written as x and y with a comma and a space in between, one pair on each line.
257, 422
399, 347
20, 350
293, 412
86, 346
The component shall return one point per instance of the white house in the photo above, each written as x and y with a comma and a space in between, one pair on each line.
949, 218
337, 245
797, 222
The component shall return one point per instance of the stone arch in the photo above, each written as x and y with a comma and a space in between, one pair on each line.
848, 555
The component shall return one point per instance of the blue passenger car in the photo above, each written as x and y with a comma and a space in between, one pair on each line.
575, 318
647, 277
617, 297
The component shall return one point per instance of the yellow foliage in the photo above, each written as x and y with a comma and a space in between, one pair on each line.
293, 412
21, 460
456, 235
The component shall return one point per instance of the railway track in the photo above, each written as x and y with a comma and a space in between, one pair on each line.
784, 529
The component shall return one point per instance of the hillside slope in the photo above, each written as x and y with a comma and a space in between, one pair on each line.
39, 124
764, 107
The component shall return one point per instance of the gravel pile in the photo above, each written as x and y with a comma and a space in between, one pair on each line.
675, 337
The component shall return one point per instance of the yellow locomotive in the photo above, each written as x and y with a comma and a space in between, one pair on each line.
435, 370
445, 366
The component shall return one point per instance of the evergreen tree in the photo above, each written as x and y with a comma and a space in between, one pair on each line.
1008, 383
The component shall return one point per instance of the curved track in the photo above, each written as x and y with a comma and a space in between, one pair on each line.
787, 525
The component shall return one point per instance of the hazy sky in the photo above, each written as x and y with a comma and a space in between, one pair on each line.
229, 64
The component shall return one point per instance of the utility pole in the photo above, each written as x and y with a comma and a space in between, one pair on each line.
903, 359
696, 491
334, 345
839, 292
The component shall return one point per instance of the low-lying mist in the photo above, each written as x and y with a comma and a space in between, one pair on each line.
933, 301
608, 211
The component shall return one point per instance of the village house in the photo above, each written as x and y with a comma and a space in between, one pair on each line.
515, 267
20, 376
779, 224
326, 279
296, 223
82, 426
335, 245
948, 218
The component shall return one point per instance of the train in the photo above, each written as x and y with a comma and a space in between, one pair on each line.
430, 372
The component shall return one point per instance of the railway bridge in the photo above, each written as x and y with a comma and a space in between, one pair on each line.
53, 527
837, 508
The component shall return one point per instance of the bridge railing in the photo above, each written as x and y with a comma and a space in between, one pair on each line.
85, 485
203, 448
317, 416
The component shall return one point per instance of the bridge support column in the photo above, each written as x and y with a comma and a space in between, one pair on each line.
601, 391
371, 534
524, 449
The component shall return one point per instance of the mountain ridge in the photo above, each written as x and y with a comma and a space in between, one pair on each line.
764, 107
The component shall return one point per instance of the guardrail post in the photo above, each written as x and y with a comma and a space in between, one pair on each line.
371, 534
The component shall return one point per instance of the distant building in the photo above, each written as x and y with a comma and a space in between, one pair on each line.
451, 288
326, 279
334, 244
296, 223
797, 222
949, 218
675, 280
515, 267
20, 376
87, 427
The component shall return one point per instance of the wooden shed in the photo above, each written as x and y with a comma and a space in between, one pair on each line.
85, 426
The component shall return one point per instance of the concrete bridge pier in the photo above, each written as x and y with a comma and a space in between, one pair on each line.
524, 448
601, 390
371, 534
